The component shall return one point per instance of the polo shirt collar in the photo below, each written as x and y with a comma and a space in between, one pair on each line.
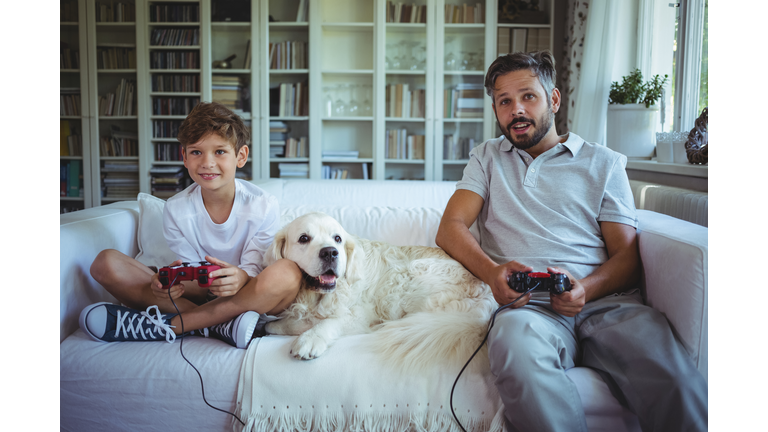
574, 143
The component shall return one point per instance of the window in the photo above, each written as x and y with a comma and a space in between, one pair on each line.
672, 40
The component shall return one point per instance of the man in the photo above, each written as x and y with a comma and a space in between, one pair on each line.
553, 203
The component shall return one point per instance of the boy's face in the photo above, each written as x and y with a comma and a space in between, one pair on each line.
212, 162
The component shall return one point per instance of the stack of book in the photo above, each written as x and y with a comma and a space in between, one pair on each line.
522, 40
69, 101
456, 147
120, 103
226, 90
399, 145
119, 179
341, 154
71, 177
293, 170
403, 102
464, 14
464, 101
119, 143
175, 83
397, 12
278, 134
167, 181
71, 142
165, 128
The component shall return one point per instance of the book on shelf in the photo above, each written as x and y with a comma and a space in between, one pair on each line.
347, 154
293, 100
167, 181
295, 148
74, 178
71, 142
288, 55
399, 12
519, 40
115, 12
293, 170
456, 147
120, 103
366, 175
402, 102
302, 12
398, 144
247, 62
467, 13
329, 173
68, 58
119, 143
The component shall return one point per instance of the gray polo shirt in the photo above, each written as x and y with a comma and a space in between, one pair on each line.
546, 211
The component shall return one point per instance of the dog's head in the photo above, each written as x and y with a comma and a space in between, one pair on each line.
321, 248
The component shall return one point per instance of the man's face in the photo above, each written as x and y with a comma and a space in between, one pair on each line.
522, 108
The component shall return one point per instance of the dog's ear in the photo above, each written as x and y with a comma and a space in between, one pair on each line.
355, 259
275, 251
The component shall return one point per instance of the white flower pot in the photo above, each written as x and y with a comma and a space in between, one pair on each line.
631, 130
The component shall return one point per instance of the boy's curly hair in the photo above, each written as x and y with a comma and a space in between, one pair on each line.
212, 117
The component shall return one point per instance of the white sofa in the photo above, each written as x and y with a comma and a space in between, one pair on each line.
148, 385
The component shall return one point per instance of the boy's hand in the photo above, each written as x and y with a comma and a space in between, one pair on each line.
229, 278
162, 293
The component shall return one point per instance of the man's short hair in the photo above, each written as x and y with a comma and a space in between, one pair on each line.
540, 63
212, 117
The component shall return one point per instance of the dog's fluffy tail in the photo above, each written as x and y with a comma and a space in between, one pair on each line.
419, 340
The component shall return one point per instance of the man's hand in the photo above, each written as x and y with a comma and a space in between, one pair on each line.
570, 302
229, 278
498, 281
162, 293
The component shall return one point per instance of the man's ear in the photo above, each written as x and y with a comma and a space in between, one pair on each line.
556, 100
276, 250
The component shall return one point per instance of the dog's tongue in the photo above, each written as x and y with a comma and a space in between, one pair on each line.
326, 278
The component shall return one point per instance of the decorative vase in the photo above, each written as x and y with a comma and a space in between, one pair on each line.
631, 130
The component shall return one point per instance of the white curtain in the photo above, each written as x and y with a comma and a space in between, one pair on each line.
587, 115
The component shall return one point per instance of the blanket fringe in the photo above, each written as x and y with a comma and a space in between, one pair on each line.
424, 421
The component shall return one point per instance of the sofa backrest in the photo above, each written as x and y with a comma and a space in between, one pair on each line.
360, 193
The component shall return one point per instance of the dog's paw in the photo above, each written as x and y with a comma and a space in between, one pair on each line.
308, 346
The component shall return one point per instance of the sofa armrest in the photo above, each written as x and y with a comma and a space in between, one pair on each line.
82, 235
674, 255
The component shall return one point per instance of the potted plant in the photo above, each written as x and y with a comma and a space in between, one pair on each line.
633, 115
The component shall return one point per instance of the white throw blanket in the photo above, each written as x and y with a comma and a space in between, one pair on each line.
350, 389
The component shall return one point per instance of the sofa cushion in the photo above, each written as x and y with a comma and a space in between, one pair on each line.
120, 385
153, 250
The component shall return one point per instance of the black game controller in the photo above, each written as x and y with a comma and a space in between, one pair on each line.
555, 283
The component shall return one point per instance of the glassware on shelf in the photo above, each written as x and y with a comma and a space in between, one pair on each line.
423, 57
367, 106
450, 61
339, 107
353, 109
463, 62
412, 62
394, 63
327, 102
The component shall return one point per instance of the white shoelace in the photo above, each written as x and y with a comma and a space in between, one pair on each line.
224, 328
137, 329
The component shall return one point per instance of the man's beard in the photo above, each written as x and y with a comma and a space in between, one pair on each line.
522, 142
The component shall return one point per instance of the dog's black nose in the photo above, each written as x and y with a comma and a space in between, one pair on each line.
329, 254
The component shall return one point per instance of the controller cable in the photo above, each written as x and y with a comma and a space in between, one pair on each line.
181, 343
493, 319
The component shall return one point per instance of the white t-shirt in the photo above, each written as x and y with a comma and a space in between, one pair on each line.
242, 240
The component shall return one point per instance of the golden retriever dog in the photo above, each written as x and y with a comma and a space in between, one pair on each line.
420, 303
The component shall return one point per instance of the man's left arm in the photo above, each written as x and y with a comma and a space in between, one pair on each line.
621, 271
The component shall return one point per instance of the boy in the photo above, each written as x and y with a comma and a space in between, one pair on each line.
219, 219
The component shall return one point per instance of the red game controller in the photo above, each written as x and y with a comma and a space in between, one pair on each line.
189, 273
